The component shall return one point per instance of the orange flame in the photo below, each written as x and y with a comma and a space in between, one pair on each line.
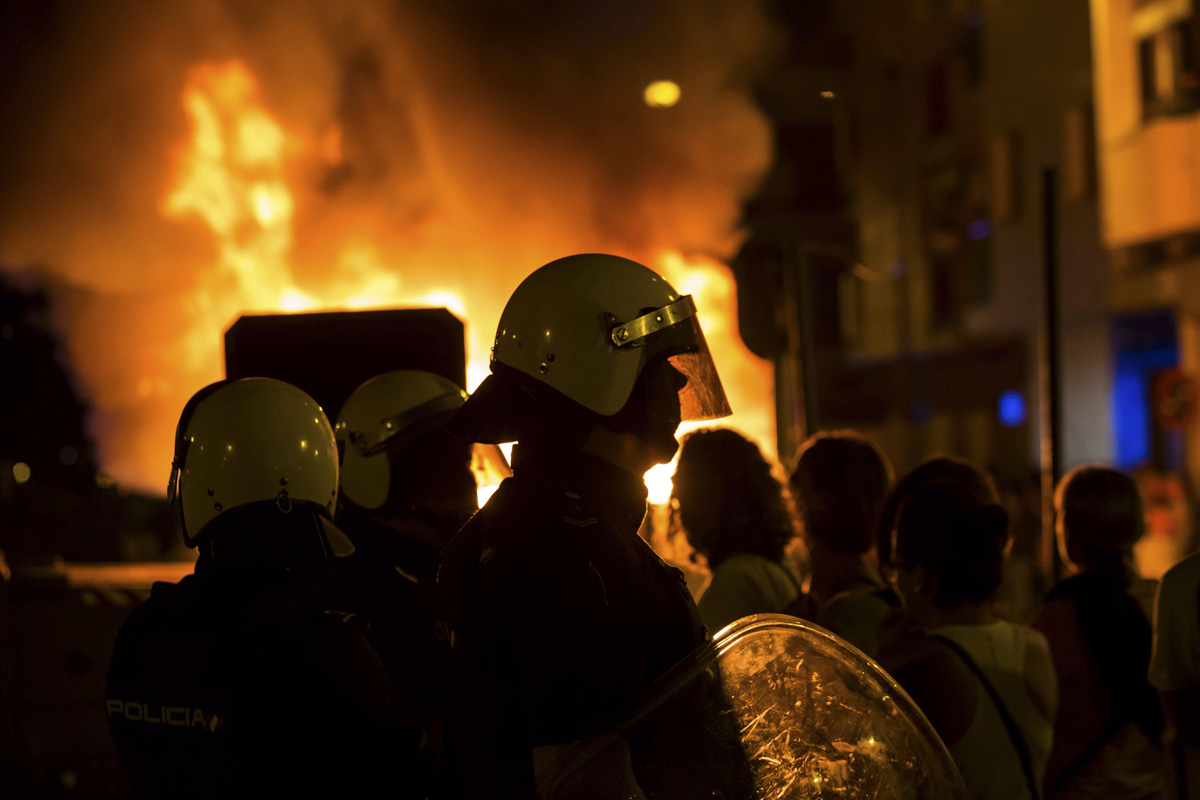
232, 175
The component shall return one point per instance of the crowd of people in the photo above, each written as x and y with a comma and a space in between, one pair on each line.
355, 625
1062, 705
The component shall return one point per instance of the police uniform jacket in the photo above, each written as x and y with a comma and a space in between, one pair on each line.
553, 614
234, 682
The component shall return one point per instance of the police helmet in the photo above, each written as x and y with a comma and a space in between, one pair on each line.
248, 442
381, 415
587, 326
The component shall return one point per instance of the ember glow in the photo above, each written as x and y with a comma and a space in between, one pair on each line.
311, 157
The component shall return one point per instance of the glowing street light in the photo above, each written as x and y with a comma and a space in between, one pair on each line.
662, 94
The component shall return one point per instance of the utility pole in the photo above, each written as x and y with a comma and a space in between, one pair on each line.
1049, 375
802, 350
794, 361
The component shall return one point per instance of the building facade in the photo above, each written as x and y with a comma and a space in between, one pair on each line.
1147, 98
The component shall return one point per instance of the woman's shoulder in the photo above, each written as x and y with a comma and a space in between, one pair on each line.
999, 632
1021, 632
753, 567
747, 561
914, 650
735, 573
742, 562
936, 679
1003, 645
1024, 651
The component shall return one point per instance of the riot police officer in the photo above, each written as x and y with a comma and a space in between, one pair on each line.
235, 681
406, 487
553, 613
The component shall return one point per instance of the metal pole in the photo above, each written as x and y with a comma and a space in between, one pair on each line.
1049, 378
797, 396
808, 345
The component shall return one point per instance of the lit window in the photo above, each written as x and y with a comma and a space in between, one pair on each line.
1167, 60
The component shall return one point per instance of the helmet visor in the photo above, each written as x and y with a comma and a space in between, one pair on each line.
683, 344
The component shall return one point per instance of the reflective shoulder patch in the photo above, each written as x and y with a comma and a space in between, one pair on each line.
576, 513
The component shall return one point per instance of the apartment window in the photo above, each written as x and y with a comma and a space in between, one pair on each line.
1167, 51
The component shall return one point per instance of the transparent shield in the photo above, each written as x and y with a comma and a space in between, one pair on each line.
820, 719
703, 397
779, 708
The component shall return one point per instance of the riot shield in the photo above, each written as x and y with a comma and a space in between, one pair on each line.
774, 708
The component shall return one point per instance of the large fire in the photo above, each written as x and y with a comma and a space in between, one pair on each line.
233, 175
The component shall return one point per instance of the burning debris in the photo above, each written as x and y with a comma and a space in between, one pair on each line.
343, 155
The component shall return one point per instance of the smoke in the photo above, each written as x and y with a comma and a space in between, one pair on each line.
453, 144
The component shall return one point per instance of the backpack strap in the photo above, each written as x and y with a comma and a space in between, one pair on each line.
1014, 733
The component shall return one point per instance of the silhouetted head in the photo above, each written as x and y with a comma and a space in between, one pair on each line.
1099, 516
727, 500
939, 469
255, 475
839, 483
949, 545
397, 461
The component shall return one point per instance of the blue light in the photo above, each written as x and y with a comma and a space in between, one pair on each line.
1131, 407
1131, 414
1010, 409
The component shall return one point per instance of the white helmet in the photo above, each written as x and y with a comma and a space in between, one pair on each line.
587, 326
250, 441
387, 410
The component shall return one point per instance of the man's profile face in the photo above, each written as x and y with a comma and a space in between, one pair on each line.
662, 383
